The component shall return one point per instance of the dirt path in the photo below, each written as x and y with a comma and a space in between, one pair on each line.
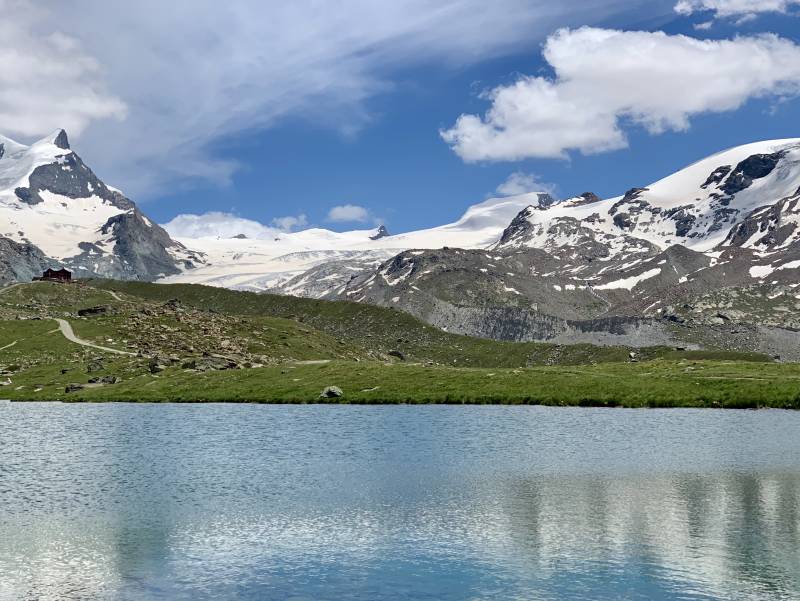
66, 330
115, 295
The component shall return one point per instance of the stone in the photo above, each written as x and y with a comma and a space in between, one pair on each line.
92, 311
95, 365
73, 388
331, 392
399, 354
155, 366
105, 380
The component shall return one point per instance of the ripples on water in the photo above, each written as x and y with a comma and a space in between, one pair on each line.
143, 502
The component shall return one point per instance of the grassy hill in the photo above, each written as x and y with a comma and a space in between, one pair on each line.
195, 343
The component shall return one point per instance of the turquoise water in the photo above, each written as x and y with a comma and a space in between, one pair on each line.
149, 502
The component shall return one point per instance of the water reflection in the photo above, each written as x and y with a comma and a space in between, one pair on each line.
218, 502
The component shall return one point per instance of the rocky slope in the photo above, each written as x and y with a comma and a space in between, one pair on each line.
55, 212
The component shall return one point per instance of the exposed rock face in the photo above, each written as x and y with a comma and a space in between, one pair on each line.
141, 246
588, 198
770, 227
68, 176
381, 233
20, 262
752, 168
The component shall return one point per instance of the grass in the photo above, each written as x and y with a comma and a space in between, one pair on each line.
656, 384
278, 335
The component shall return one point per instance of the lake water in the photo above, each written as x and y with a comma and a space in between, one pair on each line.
149, 502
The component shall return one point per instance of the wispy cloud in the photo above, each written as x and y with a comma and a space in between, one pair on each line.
520, 182
187, 75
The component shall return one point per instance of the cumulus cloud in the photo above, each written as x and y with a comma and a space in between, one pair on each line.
734, 8
523, 183
605, 79
47, 80
194, 74
216, 224
348, 213
290, 222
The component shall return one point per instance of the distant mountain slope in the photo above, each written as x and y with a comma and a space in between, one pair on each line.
285, 263
708, 256
55, 211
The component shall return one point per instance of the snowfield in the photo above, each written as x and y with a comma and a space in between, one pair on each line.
257, 264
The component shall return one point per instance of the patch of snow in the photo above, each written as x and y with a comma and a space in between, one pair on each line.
760, 271
629, 283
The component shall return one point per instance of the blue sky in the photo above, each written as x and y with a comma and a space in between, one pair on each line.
372, 136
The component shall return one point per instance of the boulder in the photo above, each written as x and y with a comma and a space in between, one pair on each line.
155, 366
105, 380
92, 311
74, 388
399, 354
331, 392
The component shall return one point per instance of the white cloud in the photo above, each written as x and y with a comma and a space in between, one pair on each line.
734, 8
290, 222
348, 213
523, 183
194, 74
216, 224
605, 79
47, 81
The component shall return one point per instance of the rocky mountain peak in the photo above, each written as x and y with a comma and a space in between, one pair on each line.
546, 200
61, 140
54, 209
381, 233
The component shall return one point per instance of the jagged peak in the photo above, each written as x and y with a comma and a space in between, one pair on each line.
382, 232
57, 138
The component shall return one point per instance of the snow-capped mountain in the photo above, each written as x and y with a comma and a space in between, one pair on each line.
709, 256
697, 207
54, 211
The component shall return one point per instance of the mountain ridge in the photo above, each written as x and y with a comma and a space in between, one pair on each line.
707, 256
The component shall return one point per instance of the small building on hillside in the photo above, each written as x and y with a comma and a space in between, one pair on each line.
55, 275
